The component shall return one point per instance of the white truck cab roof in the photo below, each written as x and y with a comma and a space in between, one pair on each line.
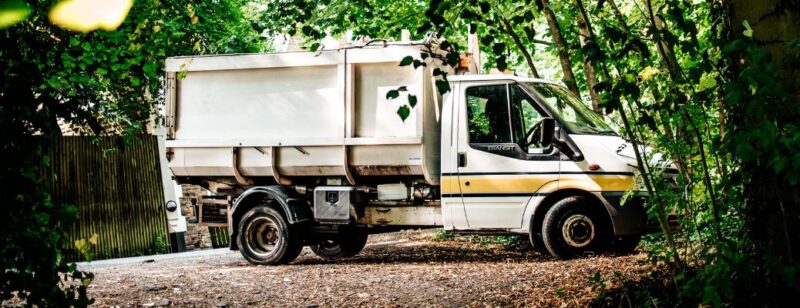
490, 77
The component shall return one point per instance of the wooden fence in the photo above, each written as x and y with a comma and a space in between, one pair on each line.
117, 191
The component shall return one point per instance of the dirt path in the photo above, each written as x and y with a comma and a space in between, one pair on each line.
409, 268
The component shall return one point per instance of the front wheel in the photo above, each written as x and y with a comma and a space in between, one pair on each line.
573, 227
347, 244
266, 238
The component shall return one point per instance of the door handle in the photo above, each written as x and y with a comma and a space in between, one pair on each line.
462, 160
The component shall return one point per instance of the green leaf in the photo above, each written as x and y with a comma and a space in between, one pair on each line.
12, 12
707, 81
530, 33
443, 86
484, 7
412, 100
403, 112
748, 32
499, 48
149, 68
487, 40
406, 61
453, 58
502, 65
392, 94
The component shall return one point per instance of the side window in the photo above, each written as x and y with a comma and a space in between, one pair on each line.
526, 121
488, 114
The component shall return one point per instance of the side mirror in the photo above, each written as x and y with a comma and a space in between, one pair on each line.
548, 131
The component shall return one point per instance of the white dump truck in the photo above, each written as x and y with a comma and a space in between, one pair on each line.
305, 149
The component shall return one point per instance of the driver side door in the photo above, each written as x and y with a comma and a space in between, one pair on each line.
499, 169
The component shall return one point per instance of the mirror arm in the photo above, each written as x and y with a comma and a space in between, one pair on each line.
569, 148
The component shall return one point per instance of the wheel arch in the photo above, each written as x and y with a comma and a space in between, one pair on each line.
294, 208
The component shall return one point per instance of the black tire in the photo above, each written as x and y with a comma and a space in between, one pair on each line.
626, 244
573, 227
348, 244
537, 242
262, 227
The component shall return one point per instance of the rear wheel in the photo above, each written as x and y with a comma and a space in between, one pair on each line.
573, 227
347, 244
266, 238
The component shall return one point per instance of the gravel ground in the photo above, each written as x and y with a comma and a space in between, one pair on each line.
409, 268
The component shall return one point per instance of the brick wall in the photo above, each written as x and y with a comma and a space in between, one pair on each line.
196, 237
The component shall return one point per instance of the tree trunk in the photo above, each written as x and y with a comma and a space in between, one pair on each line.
586, 37
618, 14
774, 23
772, 202
522, 48
561, 47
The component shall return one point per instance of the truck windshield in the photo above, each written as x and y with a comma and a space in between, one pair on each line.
571, 110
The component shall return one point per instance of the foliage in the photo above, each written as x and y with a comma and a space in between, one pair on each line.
160, 245
442, 234
680, 76
670, 74
100, 82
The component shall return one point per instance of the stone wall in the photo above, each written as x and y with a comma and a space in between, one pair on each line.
196, 237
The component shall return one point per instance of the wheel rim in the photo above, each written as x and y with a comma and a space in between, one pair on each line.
578, 231
264, 237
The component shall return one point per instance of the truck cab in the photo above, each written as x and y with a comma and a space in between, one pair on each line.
306, 149
514, 147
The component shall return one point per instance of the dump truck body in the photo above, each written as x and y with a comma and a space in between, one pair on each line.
300, 114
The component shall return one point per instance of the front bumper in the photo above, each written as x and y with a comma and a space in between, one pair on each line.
629, 218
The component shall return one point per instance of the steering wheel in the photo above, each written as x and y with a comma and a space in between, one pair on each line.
534, 134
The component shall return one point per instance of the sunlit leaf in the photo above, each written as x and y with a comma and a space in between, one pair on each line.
12, 12
89, 15
648, 73
748, 32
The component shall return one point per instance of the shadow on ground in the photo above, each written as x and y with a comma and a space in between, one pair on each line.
430, 253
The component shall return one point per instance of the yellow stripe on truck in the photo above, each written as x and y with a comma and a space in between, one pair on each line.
532, 183
596, 182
